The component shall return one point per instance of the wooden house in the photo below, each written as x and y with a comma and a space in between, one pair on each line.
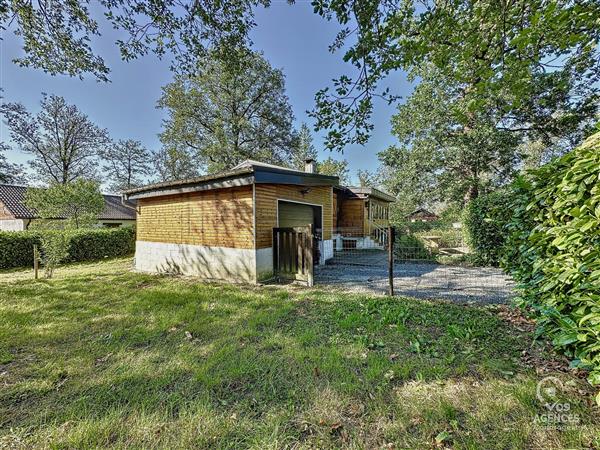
221, 226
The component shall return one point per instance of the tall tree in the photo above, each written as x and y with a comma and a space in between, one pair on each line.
63, 141
172, 163
366, 178
57, 34
127, 163
230, 112
335, 168
77, 204
9, 172
535, 61
303, 148
446, 152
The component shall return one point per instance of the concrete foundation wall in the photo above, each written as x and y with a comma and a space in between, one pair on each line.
264, 264
211, 263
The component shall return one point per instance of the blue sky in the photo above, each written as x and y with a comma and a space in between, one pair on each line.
292, 38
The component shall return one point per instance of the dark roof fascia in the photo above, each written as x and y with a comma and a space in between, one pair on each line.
234, 178
273, 175
372, 192
217, 183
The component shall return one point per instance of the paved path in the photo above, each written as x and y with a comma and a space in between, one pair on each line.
423, 280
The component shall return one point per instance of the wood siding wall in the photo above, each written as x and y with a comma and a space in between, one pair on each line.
352, 214
216, 218
266, 207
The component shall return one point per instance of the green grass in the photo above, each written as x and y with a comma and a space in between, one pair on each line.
103, 357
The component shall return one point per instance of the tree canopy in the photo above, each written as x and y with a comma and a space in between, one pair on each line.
335, 168
63, 141
535, 61
9, 172
126, 164
228, 113
77, 204
57, 35
303, 148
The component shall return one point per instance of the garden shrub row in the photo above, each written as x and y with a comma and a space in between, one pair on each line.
16, 248
553, 251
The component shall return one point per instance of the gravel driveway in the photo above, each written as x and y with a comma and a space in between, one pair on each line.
423, 280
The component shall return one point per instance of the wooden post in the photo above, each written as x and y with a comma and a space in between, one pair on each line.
309, 258
36, 261
275, 255
391, 260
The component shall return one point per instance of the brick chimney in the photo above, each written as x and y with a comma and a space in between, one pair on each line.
310, 165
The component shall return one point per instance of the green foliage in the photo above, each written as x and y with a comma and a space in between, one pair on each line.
16, 248
9, 172
444, 152
126, 164
535, 60
303, 148
228, 113
89, 245
55, 250
485, 220
57, 37
336, 168
63, 141
77, 204
553, 251
408, 247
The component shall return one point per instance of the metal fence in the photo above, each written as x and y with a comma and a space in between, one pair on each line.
434, 264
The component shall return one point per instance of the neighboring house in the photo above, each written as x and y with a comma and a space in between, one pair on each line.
422, 215
221, 226
15, 216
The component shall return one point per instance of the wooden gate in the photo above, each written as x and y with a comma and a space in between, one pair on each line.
293, 254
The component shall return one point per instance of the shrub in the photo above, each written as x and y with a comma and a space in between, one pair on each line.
553, 251
485, 226
16, 248
55, 249
89, 245
409, 247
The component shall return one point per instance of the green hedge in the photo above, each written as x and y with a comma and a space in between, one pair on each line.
485, 226
16, 247
553, 251
89, 245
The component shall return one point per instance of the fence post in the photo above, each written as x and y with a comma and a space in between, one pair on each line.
36, 261
309, 257
391, 260
275, 255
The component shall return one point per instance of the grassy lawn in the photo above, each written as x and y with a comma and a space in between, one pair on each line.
102, 357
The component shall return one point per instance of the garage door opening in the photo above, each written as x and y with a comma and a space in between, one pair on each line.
292, 214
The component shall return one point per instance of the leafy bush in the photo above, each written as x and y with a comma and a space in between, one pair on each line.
485, 226
89, 245
55, 249
16, 248
553, 251
409, 247
446, 238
